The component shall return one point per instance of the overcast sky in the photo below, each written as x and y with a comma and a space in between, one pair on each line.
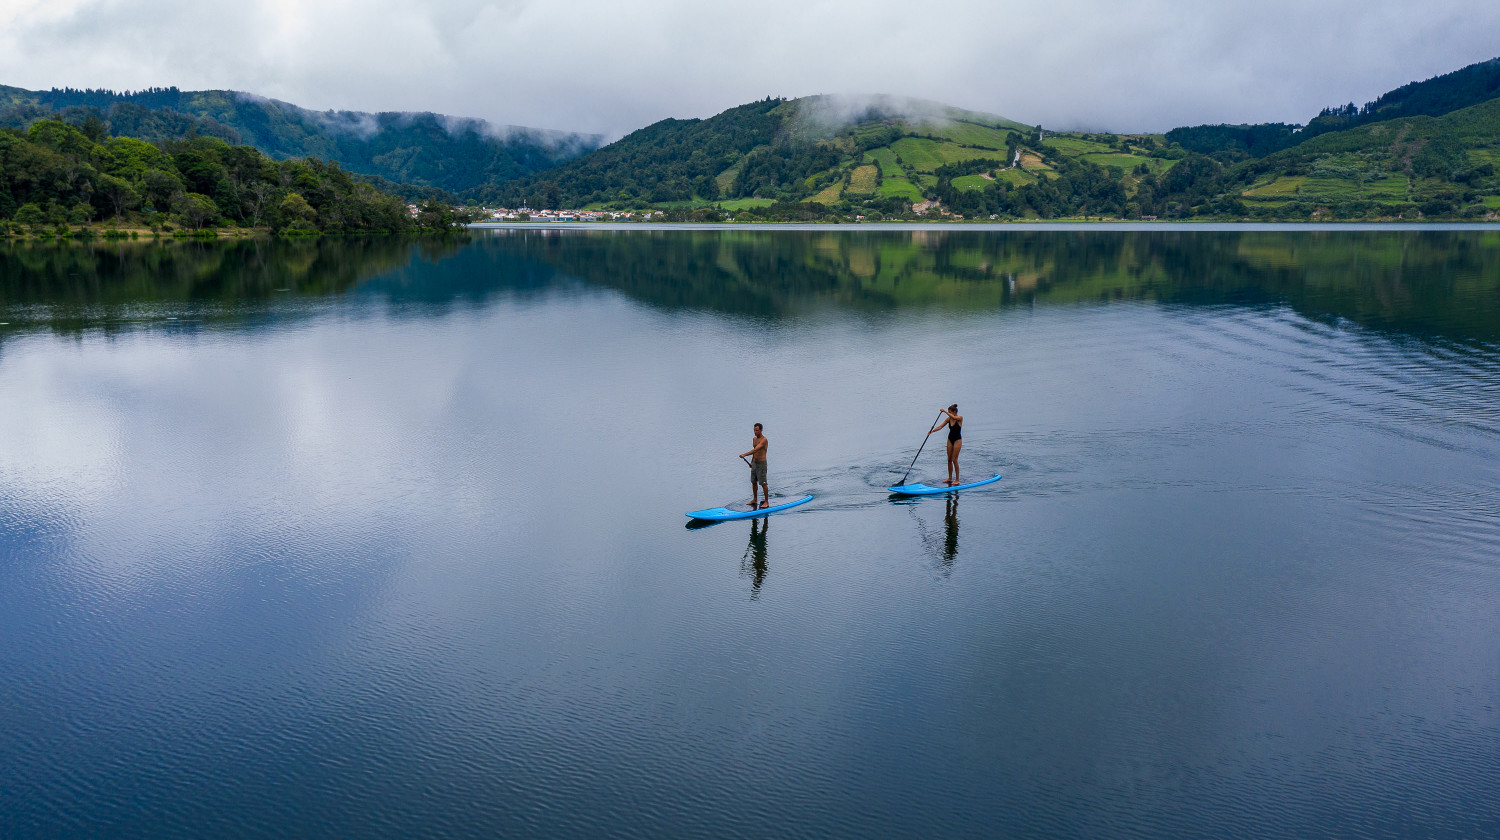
614, 65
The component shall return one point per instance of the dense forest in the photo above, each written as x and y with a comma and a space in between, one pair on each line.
56, 176
414, 153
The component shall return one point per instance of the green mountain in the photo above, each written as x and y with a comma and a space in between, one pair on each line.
878, 152
1434, 97
421, 149
1427, 150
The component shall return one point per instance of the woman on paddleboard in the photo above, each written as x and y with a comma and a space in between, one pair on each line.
954, 423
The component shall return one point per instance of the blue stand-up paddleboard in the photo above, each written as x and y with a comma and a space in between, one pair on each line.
720, 514
924, 490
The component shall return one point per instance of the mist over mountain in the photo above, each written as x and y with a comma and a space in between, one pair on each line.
424, 150
1427, 149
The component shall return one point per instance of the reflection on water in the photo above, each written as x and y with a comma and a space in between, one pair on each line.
1437, 282
940, 545
753, 563
69, 286
1418, 281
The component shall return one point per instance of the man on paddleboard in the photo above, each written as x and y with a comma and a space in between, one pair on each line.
757, 455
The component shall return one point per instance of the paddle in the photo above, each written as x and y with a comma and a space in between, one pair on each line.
919, 449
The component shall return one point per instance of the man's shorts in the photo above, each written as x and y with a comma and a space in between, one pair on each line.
757, 472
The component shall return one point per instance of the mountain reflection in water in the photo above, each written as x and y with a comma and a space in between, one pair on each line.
1423, 282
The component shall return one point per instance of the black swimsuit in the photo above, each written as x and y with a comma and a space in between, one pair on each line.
955, 432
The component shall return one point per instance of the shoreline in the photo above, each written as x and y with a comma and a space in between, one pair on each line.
1049, 226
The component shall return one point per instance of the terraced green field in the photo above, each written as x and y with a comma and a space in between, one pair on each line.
862, 180
830, 194
1314, 187
1391, 187
1279, 188
1483, 156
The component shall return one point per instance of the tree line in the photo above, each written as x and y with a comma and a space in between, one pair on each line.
57, 175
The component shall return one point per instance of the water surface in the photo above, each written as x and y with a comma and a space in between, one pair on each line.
349, 538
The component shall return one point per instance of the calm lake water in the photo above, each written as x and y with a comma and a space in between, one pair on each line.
342, 538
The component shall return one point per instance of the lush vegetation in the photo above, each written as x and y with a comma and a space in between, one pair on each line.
418, 150
1464, 88
772, 161
60, 178
669, 161
1426, 150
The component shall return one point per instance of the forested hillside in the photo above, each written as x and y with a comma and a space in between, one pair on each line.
1464, 88
785, 157
1426, 150
56, 175
421, 150
786, 160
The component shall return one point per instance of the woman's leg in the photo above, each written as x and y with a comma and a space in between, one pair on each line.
951, 462
955, 447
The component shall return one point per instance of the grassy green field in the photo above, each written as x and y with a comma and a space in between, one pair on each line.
899, 187
886, 160
862, 180
971, 182
1390, 187
1279, 188
1015, 177
970, 134
743, 203
1126, 163
1077, 147
894, 184
1492, 202
925, 155
830, 194
725, 179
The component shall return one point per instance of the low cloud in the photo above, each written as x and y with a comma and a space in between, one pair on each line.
609, 67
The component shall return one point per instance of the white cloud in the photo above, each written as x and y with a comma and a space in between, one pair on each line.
592, 65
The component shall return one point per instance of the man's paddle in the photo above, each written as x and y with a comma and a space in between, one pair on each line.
747, 462
919, 449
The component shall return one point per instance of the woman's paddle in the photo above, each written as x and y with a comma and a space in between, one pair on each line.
919, 449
